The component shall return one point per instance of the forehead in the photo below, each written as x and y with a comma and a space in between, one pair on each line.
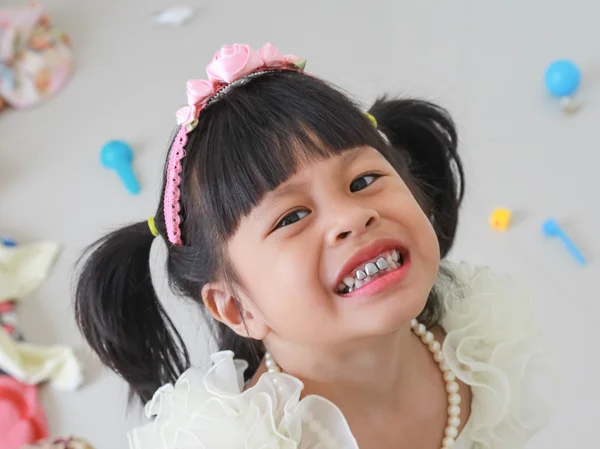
297, 182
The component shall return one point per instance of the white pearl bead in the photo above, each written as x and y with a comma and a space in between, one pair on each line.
420, 330
414, 323
427, 338
448, 442
435, 346
270, 363
438, 356
449, 376
454, 399
454, 421
275, 369
452, 387
451, 432
444, 366
454, 410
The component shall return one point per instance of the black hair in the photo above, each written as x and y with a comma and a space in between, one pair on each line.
245, 145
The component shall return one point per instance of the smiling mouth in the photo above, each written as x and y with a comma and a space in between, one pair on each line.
384, 263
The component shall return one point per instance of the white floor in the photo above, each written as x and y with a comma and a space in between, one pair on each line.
483, 60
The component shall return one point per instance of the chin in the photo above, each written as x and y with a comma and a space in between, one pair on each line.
390, 313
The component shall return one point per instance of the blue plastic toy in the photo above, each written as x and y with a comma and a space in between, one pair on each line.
118, 155
7, 242
562, 78
551, 228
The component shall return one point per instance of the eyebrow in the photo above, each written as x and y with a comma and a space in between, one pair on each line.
347, 159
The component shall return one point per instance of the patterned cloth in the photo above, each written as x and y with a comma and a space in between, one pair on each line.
35, 58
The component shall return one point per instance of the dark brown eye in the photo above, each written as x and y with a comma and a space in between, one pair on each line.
292, 218
363, 182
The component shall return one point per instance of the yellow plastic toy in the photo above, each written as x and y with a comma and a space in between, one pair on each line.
500, 219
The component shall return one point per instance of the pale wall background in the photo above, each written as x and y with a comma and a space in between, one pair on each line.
483, 60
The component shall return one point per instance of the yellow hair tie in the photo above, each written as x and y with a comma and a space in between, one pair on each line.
152, 227
372, 119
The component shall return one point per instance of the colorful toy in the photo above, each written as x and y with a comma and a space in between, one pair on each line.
118, 155
5, 241
562, 80
500, 219
551, 228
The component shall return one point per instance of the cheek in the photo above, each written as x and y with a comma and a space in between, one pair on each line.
282, 282
426, 244
422, 234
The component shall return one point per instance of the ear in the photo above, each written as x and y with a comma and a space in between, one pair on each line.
243, 318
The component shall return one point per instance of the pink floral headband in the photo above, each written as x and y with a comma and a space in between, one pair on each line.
233, 64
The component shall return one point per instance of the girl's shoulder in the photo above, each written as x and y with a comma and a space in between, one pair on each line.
494, 344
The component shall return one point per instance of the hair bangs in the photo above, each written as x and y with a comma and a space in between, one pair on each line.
258, 135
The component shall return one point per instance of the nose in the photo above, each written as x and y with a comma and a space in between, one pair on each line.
350, 220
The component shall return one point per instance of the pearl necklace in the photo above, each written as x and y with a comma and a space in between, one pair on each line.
452, 387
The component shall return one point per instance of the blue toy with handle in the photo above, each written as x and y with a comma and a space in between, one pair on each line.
118, 156
551, 228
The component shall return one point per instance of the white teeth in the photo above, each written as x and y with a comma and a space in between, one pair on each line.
371, 269
388, 261
382, 263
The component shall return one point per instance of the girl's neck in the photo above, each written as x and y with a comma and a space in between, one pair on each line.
360, 374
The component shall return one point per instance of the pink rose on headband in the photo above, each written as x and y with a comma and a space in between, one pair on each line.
273, 58
198, 91
187, 115
232, 62
22, 419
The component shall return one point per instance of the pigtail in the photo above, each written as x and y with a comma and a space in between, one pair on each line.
119, 314
426, 134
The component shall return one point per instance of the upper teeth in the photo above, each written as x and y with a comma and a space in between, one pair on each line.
388, 259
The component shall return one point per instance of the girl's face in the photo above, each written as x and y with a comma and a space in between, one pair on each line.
293, 252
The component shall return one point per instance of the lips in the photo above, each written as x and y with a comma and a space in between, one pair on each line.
375, 259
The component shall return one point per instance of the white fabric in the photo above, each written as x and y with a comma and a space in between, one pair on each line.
493, 344
23, 268
33, 364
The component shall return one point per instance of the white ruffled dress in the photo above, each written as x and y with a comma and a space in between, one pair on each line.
493, 344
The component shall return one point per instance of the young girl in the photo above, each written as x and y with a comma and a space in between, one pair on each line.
311, 234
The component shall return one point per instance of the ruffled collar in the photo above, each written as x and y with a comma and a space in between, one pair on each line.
213, 410
493, 344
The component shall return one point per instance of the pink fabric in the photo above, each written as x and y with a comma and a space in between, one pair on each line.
229, 64
199, 91
22, 418
233, 62
186, 115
